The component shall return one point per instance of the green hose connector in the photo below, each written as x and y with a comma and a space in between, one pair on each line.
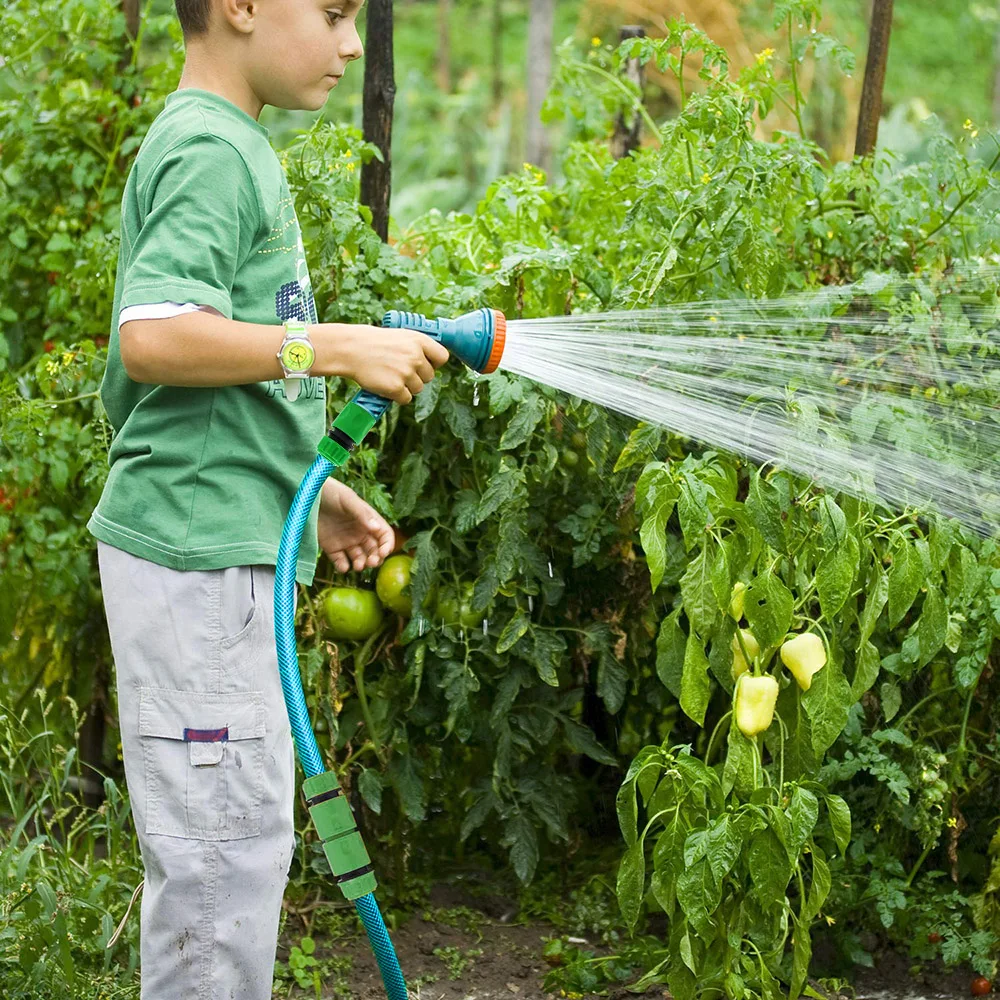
342, 843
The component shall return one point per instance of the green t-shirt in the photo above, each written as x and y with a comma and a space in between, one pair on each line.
202, 478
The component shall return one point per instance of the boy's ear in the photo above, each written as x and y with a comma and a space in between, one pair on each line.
241, 14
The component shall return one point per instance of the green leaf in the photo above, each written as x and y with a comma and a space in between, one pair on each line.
764, 508
803, 814
801, 956
770, 868
819, 889
405, 777
932, 629
670, 643
513, 631
875, 599
698, 894
655, 496
840, 820
370, 787
550, 648
724, 846
835, 575
582, 740
698, 592
413, 476
892, 699
520, 837
523, 423
827, 703
866, 669
461, 422
631, 883
739, 769
506, 483
692, 509
768, 608
695, 682
640, 446
905, 577
833, 522
504, 391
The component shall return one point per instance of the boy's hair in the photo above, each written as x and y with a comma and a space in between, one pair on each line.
193, 15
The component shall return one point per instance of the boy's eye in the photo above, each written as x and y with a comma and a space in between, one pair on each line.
334, 16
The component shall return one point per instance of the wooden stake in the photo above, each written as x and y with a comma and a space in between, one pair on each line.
376, 115
626, 137
871, 92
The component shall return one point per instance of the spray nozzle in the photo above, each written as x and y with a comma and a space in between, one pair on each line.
476, 338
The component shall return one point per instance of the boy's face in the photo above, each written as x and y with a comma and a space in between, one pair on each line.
298, 49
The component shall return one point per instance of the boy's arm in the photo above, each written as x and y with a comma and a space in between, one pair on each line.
202, 349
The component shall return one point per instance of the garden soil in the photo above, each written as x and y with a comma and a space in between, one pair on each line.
511, 967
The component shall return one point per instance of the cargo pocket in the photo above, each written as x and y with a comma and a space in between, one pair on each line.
203, 754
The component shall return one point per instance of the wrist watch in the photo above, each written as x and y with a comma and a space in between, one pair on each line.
296, 356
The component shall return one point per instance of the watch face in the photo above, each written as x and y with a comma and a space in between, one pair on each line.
298, 356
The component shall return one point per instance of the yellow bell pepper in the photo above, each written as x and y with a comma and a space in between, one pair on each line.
805, 655
755, 701
740, 665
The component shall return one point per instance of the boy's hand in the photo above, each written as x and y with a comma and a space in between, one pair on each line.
350, 531
393, 363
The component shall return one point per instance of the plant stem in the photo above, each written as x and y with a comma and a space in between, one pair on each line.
795, 83
715, 732
360, 660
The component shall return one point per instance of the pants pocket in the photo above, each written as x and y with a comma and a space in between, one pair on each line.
239, 604
203, 754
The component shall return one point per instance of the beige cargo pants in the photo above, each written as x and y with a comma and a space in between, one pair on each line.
210, 771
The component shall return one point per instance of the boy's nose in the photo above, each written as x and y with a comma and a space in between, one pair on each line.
352, 47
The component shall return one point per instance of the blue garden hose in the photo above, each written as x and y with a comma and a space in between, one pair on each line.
477, 338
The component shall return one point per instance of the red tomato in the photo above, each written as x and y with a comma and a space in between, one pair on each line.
48, 345
981, 986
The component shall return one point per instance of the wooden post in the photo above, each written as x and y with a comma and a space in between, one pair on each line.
540, 25
376, 115
871, 91
498, 51
444, 74
626, 137
130, 8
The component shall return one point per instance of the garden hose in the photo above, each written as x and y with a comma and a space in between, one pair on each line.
477, 338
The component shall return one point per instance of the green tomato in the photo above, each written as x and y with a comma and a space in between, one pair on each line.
579, 440
454, 607
570, 458
352, 613
393, 584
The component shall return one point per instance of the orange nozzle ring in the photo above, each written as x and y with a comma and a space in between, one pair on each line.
499, 339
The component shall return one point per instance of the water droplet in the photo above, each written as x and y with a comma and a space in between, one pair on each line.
550, 569
421, 627
486, 626
531, 604
475, 395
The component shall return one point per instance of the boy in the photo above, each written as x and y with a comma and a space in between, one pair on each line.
217, 413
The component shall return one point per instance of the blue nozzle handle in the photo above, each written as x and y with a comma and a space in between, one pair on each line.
471, 338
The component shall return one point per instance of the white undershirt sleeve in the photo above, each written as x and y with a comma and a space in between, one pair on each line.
161, 310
